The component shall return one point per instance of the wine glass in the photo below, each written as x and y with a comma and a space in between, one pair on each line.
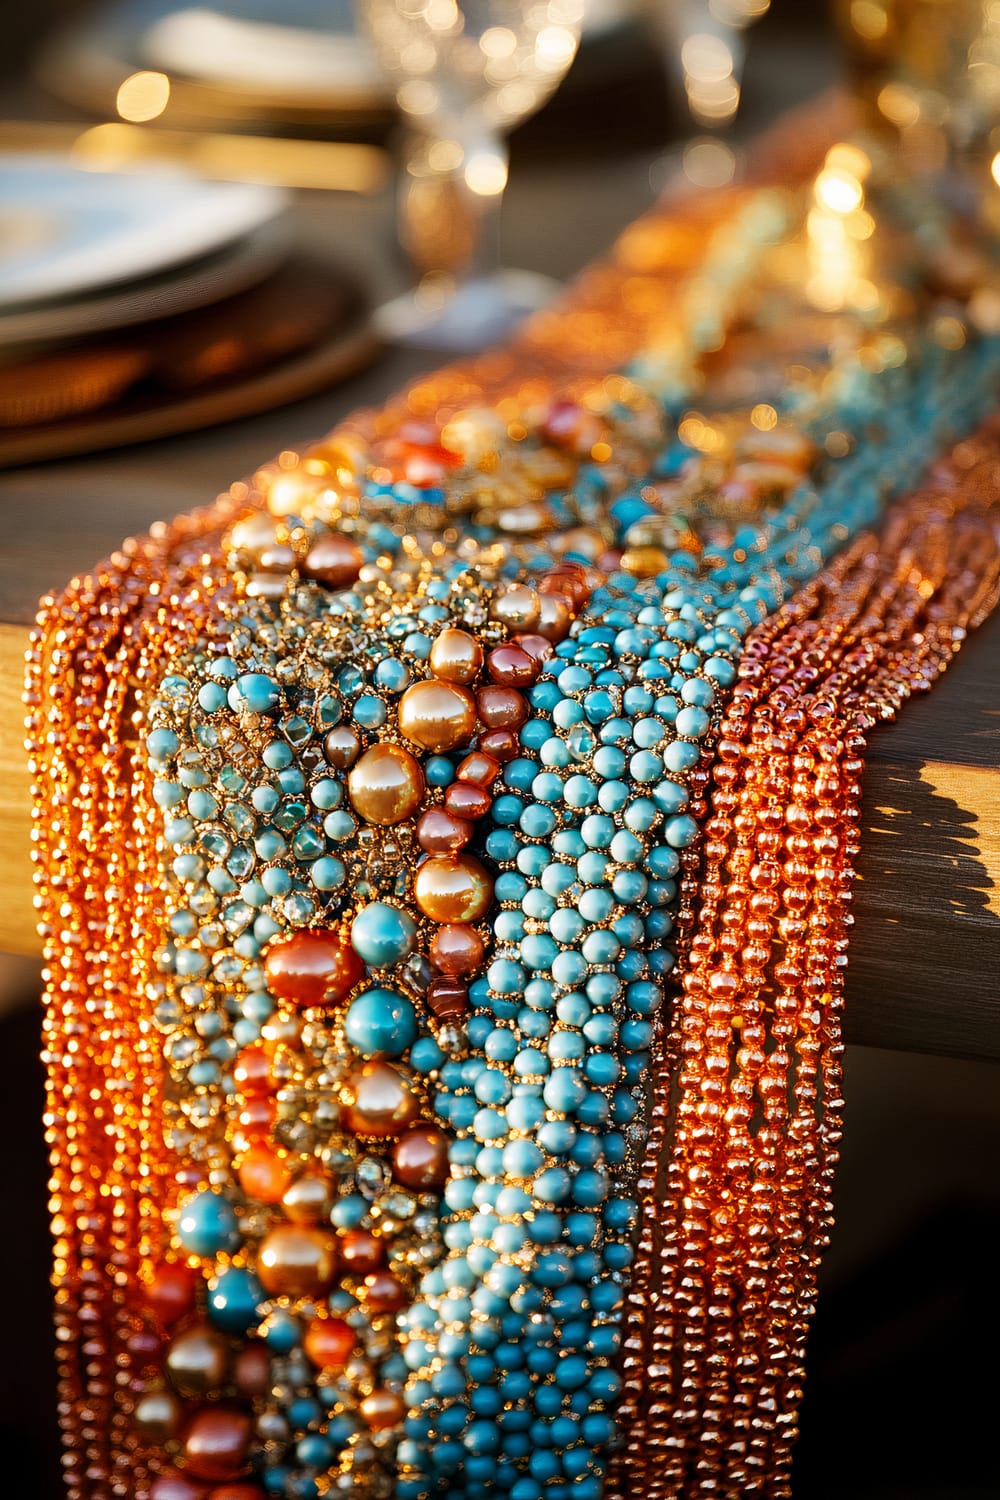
464, 72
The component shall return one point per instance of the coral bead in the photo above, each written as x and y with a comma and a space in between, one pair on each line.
197, 1361
479, 769
315, 966
501, 707
297, 1261
329, 1342
386, 786
501, 744
252, 1071
420, 1158
334, 561
379, 1102
170, 1293
453, 890
456, 950
216, 1443
511, 667
264, 1175
440, 833
456, 656
437, 715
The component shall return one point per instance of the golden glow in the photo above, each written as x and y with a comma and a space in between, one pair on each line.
486, 174
709, 163
838, 190
869, 19
498, 41
143, 96
764, 417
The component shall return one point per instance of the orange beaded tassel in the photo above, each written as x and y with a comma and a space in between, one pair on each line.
738, 1172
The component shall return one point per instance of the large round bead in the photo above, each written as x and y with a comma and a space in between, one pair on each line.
456, 656
264, 1174
156, 1415
378, 1103
517, 607
420, 1158
437, 715
334, 561
170, 1292
233, 1298
197, 1361
216, 1443
383, 1409
456, 950
454, 889
329, 1342
386, 785
175, 1486
308, 1200
383, 935
315, 966
380, 1021
208, 1224
297, 1261
239, 1491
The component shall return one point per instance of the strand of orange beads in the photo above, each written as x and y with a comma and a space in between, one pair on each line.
747, 1079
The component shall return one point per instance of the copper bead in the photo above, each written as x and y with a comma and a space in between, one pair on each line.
308, 1200
517, 607
382, 1409
501, 707
170, 1292
216, 1442
479, 769
341, 747
511, 667
456, 656
360, 1251
383, 1293
420, 1159
440, 833
465, 801
455, 889
437, 715
380, 1103
387, 785
197, 1361
315, 966
297, 1261
334, 561
156, 1415
329, 1342
252, 1370
456, 950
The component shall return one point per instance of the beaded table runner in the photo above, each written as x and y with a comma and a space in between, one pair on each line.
444, 846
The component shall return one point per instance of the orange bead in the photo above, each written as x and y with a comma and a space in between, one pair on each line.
334, 561
170, 1292
316, 966
329, 1342
386, 786
456, 949
216, 1443
437, 715
456, 656
383, 1293
252, 1071
360, 1251
297, 1261
264, 1175
379, 1102
455, 889
383, 1409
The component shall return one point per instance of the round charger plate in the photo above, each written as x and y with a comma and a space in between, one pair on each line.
305, 328
66, 232
205, 280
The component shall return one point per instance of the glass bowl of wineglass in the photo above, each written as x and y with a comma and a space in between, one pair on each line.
464, 73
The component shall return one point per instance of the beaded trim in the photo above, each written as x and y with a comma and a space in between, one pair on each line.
368, 807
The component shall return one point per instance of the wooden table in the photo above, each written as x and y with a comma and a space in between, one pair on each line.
925, 959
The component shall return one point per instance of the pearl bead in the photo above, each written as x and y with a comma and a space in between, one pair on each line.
296, 1261
216, 1443
456, 950
455, 889
308, 1200
315, 966
341, 747
479, 769
467, 802
379, 1102
387, 785
554, 618
197, 1361
517, 607
436, 714
456, 656
329, 1342
511, 667
420, 1158
334, 561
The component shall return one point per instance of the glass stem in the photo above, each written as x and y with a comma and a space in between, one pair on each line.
450, 195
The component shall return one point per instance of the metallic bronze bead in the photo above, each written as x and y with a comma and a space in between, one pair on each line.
510, 666
252, 1370
334, 561
360, 1251
456, 950
156, 1415
452, 889
216, 1442
437, 715
465, 801
501, 707
420, 1158
383, 1409
456, 656
378, 1101
308, 1200
479, 769
197, 1361
386, 786
517, 607
341, 747
297, 1261
439, 833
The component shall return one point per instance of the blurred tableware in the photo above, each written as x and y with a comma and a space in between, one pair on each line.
303, 328
464, 72
66, 232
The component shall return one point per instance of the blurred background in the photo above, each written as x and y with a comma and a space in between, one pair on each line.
263, 335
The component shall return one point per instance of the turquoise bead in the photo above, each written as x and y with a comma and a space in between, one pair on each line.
234, 1297
380, 1021
383, 935
208, 1224
259, 693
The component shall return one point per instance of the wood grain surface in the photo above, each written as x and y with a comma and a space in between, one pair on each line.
925, 963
